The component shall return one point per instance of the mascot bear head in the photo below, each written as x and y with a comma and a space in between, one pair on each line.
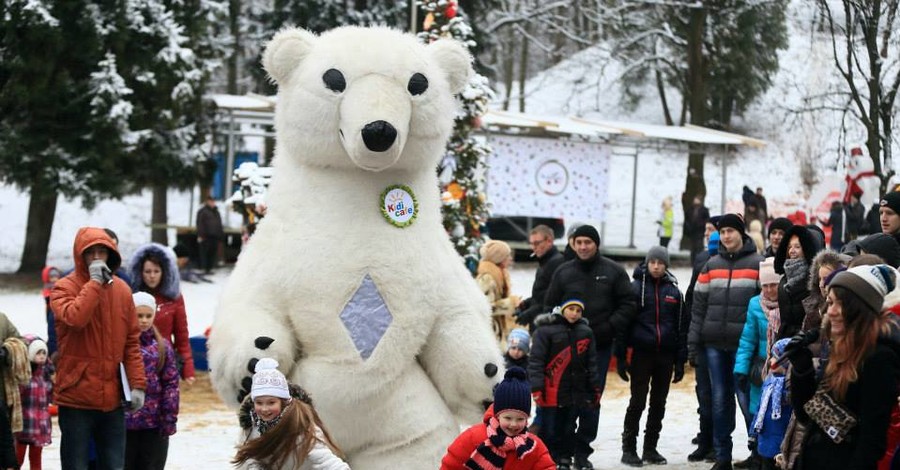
364, 98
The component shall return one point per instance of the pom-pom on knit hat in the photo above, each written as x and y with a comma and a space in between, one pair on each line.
520, 339
495, 251
143, 299
268, 381
869, 283
35, 346
513, 393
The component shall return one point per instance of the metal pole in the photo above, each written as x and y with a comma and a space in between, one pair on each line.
229, 159
413, 11
724, 178
633, 199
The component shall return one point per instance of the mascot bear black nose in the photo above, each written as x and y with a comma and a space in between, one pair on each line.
379, 135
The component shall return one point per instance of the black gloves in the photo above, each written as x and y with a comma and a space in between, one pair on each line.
522, 317
692, 356
797, 350
678, 373
741, 381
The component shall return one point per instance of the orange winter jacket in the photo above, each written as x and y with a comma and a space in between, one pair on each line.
97, 329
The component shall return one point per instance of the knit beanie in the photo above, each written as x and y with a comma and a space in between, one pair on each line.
781, 223
572, 302
35, 346
734, 221
767, 274
713, 245
268, 381
883, 245
143, 299
587, 231
495, 251
892, 201
658, 253
513, 393
869, 283
519, 339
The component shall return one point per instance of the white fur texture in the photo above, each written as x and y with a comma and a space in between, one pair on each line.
324, 233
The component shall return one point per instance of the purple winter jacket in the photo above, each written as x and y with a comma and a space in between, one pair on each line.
160, 410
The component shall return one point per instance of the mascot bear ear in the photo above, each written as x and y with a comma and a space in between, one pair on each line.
285, 52
455, 61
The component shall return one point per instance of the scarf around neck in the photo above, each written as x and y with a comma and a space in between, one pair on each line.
796, 272
491, 454
773, 315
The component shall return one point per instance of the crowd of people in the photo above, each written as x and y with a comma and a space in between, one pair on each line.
803, 339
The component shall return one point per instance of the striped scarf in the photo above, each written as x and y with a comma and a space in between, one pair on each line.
491, 454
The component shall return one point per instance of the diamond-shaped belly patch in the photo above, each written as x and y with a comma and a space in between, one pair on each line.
366, 317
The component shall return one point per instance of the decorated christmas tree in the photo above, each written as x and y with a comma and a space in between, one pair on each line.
461, 172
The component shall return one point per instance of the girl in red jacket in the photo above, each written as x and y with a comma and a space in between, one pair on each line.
502, 441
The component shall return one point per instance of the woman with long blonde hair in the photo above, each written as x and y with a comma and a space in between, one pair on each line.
846, 404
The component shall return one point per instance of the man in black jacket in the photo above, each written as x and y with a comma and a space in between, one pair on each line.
549, 259
609, 307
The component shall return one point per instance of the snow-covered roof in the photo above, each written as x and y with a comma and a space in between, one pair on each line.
513, 122
577, 126
250, 102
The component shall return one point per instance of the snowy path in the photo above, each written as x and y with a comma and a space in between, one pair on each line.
207, 432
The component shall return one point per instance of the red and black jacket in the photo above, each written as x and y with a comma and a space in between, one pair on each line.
563, 362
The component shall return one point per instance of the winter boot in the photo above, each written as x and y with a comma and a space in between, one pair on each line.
703, 452
564, 463
722, 465
652, 457
582, 463
629, 449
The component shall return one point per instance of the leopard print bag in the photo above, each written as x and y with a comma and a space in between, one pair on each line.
834, 419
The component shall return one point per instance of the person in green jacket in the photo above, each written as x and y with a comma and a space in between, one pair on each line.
666, 222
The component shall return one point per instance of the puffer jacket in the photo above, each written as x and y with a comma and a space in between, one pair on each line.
161, 399
661, 324
603, 286
753, 344
790, 300
465, 444
171, 318
97, 330
563, 362
721, 296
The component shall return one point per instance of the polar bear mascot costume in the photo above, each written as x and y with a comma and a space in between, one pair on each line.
351, 282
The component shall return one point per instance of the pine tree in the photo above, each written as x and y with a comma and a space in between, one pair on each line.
462, 169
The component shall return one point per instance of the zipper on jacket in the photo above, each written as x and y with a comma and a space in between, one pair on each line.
658, 334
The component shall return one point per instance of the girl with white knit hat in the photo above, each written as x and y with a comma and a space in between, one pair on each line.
281, 429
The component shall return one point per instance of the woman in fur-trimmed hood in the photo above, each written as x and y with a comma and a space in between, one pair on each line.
153, 270
794, 256
825, 262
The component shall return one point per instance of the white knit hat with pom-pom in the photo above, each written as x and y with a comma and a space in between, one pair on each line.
268, 381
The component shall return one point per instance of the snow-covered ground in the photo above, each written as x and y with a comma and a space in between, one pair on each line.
208, 431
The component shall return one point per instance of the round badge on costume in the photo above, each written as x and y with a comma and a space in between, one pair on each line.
398, 205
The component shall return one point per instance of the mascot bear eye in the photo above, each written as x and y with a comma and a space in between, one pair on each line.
417, 84
334, 80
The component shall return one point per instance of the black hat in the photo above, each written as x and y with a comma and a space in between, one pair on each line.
780, 223
883, 245
892, 201
809, 241
587, 231
513, 393
734, 221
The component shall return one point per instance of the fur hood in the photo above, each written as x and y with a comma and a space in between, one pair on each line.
808, 242
825, 257
170, 286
